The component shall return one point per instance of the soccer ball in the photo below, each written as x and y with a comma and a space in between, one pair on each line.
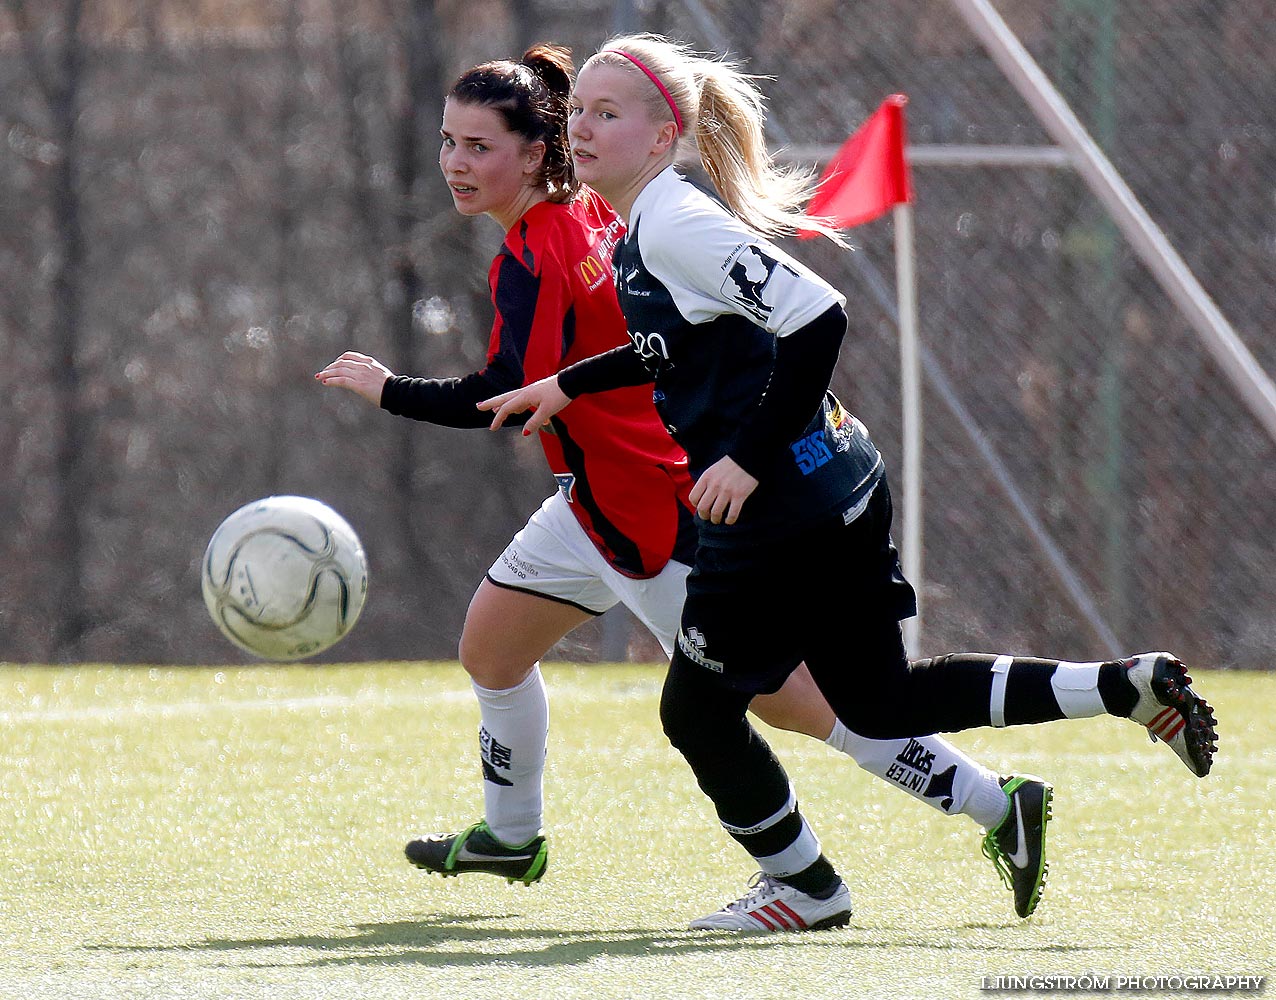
284, 577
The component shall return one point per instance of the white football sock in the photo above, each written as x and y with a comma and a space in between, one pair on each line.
798, 856
513, 735
997, 698
930, 769
1076, 689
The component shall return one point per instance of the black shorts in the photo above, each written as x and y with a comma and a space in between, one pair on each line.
753, 613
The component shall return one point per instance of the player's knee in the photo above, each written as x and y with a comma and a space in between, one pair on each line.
887, 705
487, 668
470, 655
677, 719
701, 716
687, 706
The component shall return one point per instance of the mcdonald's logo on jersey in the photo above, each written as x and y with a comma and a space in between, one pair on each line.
592, 272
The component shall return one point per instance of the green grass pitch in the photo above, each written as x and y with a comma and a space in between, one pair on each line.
237, 833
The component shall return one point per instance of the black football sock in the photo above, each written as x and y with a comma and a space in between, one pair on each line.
819, 879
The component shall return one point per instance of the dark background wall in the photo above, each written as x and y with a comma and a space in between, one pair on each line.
201, 204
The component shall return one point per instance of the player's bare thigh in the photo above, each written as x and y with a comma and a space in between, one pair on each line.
506, 631
798, 706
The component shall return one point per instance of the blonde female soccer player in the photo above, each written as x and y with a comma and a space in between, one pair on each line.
794, 560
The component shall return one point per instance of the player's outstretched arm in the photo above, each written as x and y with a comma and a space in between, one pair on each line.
543, 398
361, 374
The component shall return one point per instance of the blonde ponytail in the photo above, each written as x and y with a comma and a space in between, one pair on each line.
727, 114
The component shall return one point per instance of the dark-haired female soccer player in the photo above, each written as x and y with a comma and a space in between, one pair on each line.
620, 527
794, 560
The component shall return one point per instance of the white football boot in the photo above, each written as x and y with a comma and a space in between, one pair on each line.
1171, 710
772, 905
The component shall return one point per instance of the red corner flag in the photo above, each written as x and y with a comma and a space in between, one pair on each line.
868, 174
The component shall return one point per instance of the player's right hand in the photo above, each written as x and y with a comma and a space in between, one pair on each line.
359, 373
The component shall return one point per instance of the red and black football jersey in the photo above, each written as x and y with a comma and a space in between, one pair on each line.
555, 300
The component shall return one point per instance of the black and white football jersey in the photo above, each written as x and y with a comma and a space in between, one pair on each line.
704, 298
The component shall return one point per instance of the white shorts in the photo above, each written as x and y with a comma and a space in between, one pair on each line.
553, 557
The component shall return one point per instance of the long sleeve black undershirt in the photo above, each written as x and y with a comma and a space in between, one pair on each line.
804, 363
450, 402
614, 369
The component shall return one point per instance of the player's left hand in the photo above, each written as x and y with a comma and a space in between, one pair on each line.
543, 398
720, 493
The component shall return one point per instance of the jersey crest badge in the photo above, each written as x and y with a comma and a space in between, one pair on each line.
748, 276
566, 486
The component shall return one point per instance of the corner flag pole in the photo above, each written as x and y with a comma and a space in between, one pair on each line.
911, 404
868, 175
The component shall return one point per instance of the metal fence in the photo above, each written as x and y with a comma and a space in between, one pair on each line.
256, 193
1089, 471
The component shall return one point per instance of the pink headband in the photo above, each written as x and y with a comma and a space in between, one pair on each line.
664, 92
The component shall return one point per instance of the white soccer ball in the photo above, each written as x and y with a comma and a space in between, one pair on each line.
284, 577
